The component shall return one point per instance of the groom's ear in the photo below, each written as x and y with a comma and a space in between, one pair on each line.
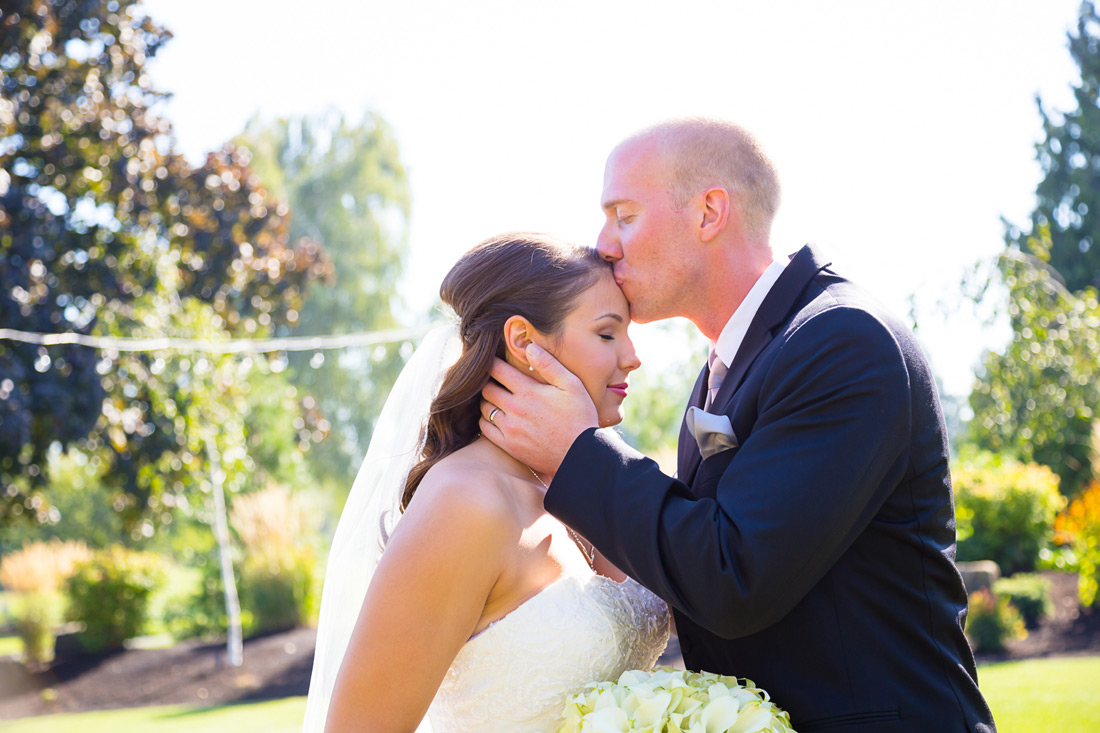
716, 212
517, 335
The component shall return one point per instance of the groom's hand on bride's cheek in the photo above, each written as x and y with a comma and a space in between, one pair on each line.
536, 423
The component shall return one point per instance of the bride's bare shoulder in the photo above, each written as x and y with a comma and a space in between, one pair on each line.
467, 486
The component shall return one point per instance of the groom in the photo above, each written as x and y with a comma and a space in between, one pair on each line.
808, 542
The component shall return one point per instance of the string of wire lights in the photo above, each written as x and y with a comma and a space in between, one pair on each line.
212, 346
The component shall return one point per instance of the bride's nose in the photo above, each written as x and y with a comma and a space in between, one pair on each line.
630, 361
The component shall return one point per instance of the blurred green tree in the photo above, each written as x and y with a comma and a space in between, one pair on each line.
1068, 196
1038, 400
104, 229
84, 510
347, 189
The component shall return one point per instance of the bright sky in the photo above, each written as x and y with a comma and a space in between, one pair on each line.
902, 131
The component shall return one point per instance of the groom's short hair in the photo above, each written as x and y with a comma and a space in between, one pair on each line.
705, 152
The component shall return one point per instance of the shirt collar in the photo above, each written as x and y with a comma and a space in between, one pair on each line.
729, 341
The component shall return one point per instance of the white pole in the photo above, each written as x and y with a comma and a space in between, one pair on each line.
234, 645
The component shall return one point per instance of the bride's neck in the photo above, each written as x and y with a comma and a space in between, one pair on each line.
521, 468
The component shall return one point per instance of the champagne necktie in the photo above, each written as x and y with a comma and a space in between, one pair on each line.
718, 372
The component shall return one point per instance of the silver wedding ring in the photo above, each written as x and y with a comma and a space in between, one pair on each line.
493, 413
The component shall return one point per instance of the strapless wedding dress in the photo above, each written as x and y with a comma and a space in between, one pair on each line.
517, 673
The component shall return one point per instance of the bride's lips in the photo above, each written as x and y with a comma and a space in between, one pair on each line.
619, 389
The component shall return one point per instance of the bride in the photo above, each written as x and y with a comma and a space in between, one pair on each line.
483, 612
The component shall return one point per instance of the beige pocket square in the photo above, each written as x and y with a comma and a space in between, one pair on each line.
713, 433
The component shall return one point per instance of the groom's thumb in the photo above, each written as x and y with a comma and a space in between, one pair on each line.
544, 364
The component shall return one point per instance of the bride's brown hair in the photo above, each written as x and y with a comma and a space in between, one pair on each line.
518, 274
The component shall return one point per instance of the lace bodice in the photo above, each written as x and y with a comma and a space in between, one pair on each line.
517, 673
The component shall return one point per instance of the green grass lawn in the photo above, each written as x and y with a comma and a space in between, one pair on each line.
1044, 695
1034, 696
261, 717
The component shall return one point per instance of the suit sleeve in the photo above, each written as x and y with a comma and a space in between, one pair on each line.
830, 442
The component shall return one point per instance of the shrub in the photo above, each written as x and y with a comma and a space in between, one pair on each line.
7, 600
110, 595
992, 621
1029, 593
199, 611
1004, 510
35, 574
277, 579
1079, 525
36, 616
278, 591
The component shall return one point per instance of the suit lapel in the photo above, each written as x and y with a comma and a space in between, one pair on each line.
688, 457
774, 311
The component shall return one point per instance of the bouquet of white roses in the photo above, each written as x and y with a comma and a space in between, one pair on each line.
667, 700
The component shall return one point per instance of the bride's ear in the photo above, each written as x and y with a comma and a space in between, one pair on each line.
518, 333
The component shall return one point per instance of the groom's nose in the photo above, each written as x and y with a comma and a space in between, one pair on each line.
607, 244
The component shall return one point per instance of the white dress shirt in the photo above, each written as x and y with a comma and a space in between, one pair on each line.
729, 341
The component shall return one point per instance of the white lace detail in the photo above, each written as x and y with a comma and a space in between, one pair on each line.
517, 674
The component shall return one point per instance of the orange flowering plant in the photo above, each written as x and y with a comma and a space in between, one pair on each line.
1079, 525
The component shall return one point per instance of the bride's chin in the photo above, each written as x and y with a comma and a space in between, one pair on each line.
612, 421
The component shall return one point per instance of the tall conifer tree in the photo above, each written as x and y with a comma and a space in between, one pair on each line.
1068, 197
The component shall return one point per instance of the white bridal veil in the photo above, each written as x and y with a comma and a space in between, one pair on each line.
372, 510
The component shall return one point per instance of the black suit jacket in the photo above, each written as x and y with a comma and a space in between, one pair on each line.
817, 557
